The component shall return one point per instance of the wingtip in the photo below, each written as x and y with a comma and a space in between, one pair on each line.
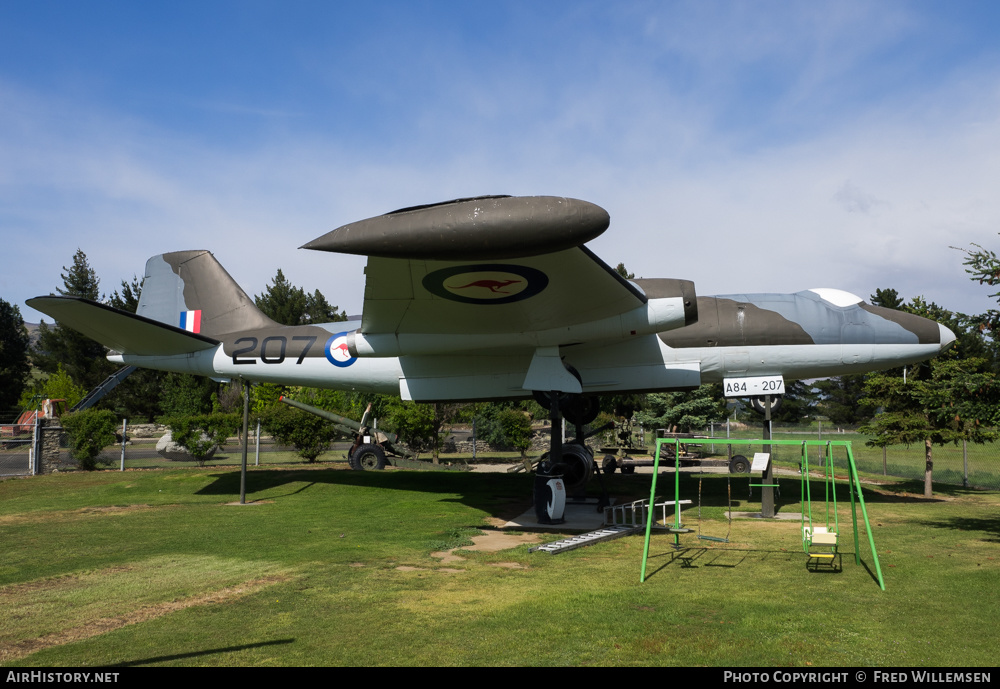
947, 337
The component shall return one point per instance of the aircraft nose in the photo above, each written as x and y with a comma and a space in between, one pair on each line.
947, 337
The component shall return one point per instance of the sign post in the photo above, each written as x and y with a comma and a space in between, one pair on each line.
766, 387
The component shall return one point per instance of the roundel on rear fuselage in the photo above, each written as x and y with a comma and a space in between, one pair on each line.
337, 352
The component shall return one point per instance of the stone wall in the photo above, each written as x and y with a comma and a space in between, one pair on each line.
145, 430
51, 432
539, 444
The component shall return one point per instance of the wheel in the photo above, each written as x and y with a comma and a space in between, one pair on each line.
758, 404
544, 397
739, 465
580, 410
549, 499
609, 464
367, 458
578, 466
628, 468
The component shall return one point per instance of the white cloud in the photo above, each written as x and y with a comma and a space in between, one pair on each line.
824, 189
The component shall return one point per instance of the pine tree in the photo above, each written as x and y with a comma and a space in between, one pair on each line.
80, 280
319, 310
128, 298
84, 359
282, 302
887, 298
839, 400
289, 305
958, 400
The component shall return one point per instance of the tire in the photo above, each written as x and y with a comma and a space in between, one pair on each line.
544, 397
541, 397
739, 465
758, 404
609, 464
368, 457
578, 466
580, 410
628, 468
547, 502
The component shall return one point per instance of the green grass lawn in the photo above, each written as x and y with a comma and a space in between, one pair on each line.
335, 567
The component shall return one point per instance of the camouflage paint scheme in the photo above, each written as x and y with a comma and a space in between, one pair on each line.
491, 298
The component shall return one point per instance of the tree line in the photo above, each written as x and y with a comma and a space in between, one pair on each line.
65, 364
952, 397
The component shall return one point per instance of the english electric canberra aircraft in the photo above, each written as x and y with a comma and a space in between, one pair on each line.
497, 297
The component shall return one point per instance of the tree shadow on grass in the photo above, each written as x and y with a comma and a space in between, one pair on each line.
990, 526
495, 492
492, 493
913, 491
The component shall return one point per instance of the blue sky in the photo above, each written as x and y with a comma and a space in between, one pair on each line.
748, 146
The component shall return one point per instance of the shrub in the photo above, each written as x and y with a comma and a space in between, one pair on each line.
503, 428
201, 433
309, 434
90, 431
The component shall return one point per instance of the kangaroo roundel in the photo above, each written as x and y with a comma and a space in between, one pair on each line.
337, 352
486, 283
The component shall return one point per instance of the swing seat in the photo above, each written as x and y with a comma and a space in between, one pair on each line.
714, 538
821, 537
829, 538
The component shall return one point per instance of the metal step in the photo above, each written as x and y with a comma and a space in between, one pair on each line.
606, 534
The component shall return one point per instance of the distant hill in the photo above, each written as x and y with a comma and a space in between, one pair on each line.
32, 333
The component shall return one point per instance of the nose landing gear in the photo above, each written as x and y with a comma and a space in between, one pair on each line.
566, 468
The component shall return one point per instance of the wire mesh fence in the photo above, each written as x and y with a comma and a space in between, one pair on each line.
16, 452
963, 464
139, 451
970, 465
17, 444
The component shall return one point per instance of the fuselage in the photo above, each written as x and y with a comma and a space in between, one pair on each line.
810, 334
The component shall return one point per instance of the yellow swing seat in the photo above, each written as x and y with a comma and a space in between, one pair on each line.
820, 536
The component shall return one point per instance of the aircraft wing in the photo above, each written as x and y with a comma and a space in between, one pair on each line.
121, 331
494, 273
491, 297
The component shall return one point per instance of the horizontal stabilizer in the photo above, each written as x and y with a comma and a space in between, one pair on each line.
121, 331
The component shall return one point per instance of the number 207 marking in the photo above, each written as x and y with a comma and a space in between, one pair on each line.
272, 349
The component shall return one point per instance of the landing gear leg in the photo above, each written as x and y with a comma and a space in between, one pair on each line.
566, 467
550, 492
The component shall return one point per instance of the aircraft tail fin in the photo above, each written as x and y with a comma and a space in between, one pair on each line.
191, 290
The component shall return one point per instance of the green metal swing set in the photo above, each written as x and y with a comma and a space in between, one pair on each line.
820, 538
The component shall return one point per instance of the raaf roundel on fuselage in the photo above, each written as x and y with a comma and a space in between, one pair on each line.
495, 297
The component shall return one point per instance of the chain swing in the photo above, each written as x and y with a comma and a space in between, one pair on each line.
729, 506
